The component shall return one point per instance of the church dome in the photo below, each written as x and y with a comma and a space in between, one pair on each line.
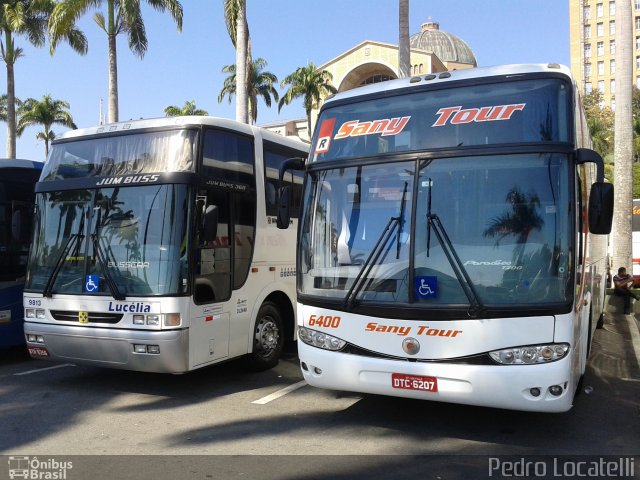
446, 46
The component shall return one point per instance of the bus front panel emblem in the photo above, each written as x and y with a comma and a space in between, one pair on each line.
83, 317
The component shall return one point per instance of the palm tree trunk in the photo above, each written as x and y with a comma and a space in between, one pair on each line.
113, 65
623, 138
11, 97
404, 60
242, 108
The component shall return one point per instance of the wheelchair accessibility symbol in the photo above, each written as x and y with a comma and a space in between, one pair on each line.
426, 287
91, 283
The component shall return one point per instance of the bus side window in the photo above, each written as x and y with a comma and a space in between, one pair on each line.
274, 156
213, 258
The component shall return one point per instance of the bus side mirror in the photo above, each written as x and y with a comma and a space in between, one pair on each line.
210, 229
601, 208
284, 207
284, 193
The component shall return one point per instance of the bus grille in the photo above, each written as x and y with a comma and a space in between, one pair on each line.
93, 317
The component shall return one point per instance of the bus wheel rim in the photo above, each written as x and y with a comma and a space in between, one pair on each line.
267, 336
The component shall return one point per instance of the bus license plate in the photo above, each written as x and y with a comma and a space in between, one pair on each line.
414, 382
38, 352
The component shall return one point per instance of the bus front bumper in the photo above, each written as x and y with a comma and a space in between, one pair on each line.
165, 351
501, 386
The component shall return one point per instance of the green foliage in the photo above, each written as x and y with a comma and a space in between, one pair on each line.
601, 128
189, 108
600, 122
260, 84
310, 84
636, 180
46, 112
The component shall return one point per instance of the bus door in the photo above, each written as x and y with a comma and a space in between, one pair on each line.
209, 335
221, 312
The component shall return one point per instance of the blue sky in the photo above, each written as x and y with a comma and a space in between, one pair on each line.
287, 33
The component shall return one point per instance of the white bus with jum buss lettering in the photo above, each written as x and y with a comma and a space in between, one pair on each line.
156, 249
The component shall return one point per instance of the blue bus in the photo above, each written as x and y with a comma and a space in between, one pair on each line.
17, 182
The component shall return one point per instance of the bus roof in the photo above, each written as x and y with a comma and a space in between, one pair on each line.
20, 163
182, 121
452, 76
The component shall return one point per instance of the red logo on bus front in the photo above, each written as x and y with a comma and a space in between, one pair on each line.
458, 116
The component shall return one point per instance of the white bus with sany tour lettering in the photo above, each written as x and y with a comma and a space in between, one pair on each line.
155, 246
452, 242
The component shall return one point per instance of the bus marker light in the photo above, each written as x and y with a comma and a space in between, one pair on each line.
507, 356
173, 320
529, 355
320, 340
411, 346
555, 390
547, 353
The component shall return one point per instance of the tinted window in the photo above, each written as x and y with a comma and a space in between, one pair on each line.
228, 159
163, 151
274, 156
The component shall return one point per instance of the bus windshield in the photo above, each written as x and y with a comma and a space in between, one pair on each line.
130, 240
506, 218
525, 111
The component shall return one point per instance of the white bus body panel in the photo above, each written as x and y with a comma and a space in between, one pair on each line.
500, 386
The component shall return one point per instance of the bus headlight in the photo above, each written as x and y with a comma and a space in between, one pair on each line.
320, 339
530, 354
34, 313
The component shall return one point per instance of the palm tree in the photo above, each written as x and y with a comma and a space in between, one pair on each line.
189, 108
309, 83
3, 106
28, 18
623, 137
235, 16
601, 135
123, 16
46, 113
260, 84
404, 60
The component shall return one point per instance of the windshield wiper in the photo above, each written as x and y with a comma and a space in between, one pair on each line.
71, 241
374, 256
111, 284
102, 260
433, 221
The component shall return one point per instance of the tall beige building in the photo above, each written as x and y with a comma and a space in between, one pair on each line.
593, 45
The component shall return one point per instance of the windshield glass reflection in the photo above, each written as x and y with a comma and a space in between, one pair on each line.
503, 232
133, 241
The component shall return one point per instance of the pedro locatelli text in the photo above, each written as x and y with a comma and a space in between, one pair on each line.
610, 467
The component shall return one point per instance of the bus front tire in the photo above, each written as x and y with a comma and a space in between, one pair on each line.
268, 339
